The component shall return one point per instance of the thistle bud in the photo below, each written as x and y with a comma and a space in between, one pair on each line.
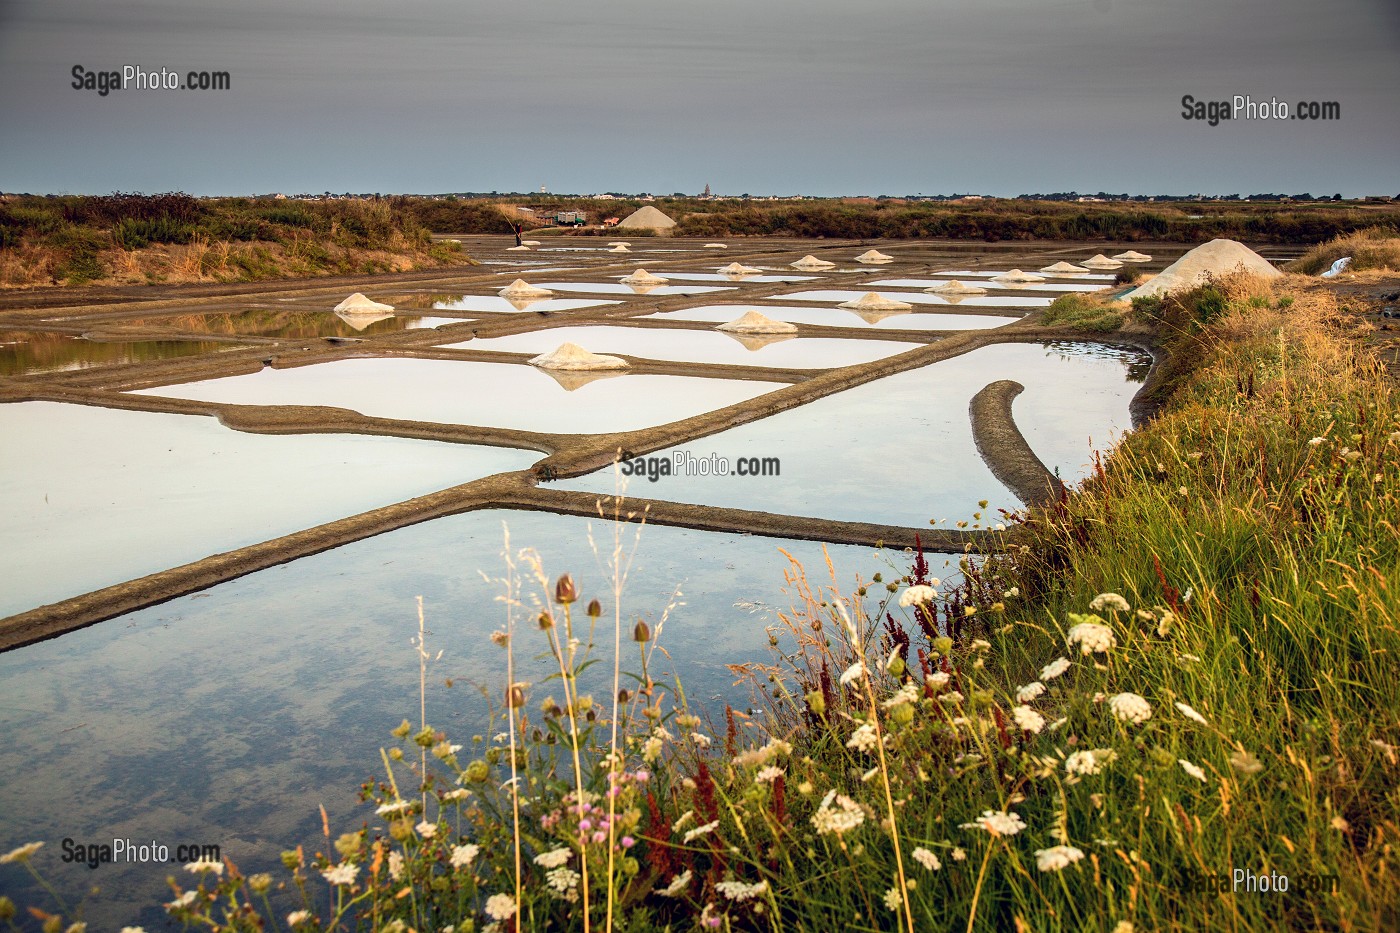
595, 609
642, 632
564, 590
545, 622
515, 696
816, 702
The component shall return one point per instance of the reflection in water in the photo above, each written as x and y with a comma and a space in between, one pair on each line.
697, 346
503, 395
230, 716
23, 352
292, 324
899, 450
96, 496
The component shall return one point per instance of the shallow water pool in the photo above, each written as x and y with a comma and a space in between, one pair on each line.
839, 317
229, 717
97, 496
505, 395
836, 296
699, 346
900, 450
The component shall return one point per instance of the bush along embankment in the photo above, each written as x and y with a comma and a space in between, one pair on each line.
1171, 704
176, 238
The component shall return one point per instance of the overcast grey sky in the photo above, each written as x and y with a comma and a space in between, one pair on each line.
763, 96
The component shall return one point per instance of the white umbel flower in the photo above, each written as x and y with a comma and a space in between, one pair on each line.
1191, 714
1054, 669
1029, 692
1028, 719
1194, 770
1092, 638
1056, 858
678, 885
998, 823
916, 595
1129, 707
1110, 601
864, 739
500, 906
927, 859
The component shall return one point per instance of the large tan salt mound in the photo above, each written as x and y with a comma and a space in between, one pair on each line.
1064, 268
956, 288
523, 289
1100, 261
1218, 257
754, 323
735, 268
573, 356
359, 304
643, 277
1132, 255
1016, 275
647, 218
873, 255
812, 262
872, 301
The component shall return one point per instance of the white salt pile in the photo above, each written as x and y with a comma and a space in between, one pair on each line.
1016, 275
531, 242
735, 268
359, 304
956, 288
619, 248
1218, 257
1100, 261
573, 356
716, 246
643, 277
513, 249
523, 289
1133, 255
873, 255
1064, 268
872, 301
812, 262
647, 218
754, 323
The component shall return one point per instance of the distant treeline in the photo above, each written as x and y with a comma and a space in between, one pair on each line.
991, 219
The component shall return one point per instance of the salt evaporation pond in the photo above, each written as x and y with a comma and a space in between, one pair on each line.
1073, 286
698, 346
900, 450
619, 288
503, 306
29, 352
838, 317
505, 395
835, 296
291, 324
230, 716
741, 279
98, 496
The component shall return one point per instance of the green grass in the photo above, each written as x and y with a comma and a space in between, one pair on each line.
1085, 313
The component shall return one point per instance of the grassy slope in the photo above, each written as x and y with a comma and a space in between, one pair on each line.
139, 239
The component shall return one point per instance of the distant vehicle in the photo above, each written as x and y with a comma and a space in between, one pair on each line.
570, 219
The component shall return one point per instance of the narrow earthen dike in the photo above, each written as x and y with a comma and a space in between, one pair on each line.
999, 441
